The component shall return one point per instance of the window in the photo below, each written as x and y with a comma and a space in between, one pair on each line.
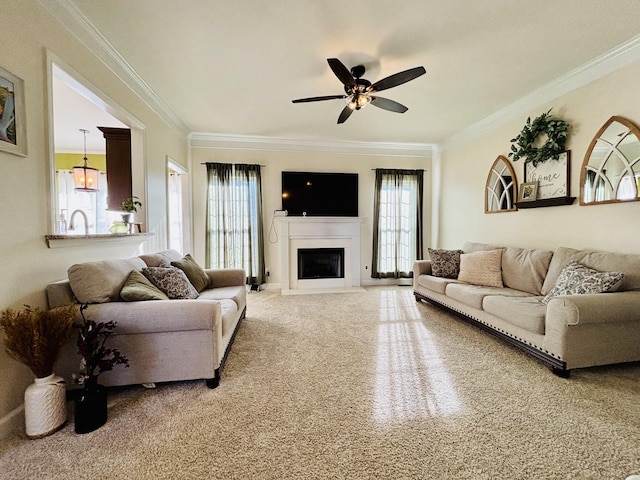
88, 209
235, 237
397, 236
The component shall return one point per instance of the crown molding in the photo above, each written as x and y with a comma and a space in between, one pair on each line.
616, 58
250, 142
67, 13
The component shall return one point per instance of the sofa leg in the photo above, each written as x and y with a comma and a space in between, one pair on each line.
213, 382
561, 372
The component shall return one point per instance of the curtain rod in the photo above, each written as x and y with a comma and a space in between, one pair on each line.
204, 163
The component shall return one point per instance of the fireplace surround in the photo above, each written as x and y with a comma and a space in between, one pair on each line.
329, 233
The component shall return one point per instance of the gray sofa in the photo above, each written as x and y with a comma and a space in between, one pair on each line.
565, 331
164, 340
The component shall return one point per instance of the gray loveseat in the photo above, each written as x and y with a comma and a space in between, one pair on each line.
565, 331
164, 340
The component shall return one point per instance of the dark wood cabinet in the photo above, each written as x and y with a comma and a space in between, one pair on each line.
118, 143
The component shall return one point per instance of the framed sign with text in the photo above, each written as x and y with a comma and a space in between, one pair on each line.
552, 177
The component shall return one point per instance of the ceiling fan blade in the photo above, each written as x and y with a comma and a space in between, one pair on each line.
397, 79
387, 104
342, 72
346, 113
318, 99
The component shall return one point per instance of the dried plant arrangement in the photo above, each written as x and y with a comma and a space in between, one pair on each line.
34, 337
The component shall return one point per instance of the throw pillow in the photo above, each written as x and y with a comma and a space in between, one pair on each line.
137, 287
576, 279
172, 281
482, 268
101, 281
196, 275
445, 263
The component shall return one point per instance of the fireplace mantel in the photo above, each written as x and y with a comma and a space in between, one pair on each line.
319, 232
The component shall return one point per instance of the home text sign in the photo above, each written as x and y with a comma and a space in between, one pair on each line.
552, 177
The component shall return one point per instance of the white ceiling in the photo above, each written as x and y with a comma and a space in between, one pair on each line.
73, 112
233, 67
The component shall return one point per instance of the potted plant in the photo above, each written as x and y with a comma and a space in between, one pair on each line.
91, 404
130, 206
34, 337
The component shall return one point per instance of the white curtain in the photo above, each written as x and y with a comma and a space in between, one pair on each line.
94, 205
175, 212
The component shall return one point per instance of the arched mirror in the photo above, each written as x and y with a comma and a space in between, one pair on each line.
501, 189
611, 168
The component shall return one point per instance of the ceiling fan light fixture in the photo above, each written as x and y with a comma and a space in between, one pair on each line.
358, 90
358, 101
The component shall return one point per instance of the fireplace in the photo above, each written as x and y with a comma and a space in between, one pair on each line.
324, 235
320, 263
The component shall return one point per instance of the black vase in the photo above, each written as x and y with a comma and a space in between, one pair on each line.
90, 411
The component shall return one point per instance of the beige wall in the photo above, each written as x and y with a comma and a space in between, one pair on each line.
26, 32
275, 163
614, 227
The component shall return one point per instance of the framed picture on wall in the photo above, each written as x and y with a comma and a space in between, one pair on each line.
528, 192
552, 177
12, 117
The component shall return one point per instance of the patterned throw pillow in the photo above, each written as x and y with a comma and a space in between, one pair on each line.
445, 263
172, 281
482, 268
196, 275
576, 279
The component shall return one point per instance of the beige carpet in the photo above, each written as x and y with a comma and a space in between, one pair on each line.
358, 386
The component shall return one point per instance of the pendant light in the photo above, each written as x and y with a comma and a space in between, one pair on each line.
85, 178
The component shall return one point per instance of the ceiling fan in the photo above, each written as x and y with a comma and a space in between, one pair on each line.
358, 90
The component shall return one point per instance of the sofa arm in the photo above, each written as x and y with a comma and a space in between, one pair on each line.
60, 294
421, 267
226, 277
595, 308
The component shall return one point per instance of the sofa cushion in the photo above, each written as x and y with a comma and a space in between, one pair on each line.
163, 259
435, 284
525, 269
473, 295
445, 263
525, 312
194, 272
229, 314
137, 287
172, 281
628, 264
576, 279
101, 281
481, 268
237, 293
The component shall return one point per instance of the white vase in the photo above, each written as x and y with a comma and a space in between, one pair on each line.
45, 406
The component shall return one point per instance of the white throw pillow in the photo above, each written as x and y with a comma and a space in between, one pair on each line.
482, 268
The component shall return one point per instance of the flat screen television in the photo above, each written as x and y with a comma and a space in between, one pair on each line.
319, 194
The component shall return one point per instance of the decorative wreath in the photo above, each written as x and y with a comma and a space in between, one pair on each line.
556, 130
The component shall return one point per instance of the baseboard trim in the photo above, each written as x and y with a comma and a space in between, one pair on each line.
12, 422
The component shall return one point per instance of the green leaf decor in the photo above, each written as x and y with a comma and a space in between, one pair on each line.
556, 130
